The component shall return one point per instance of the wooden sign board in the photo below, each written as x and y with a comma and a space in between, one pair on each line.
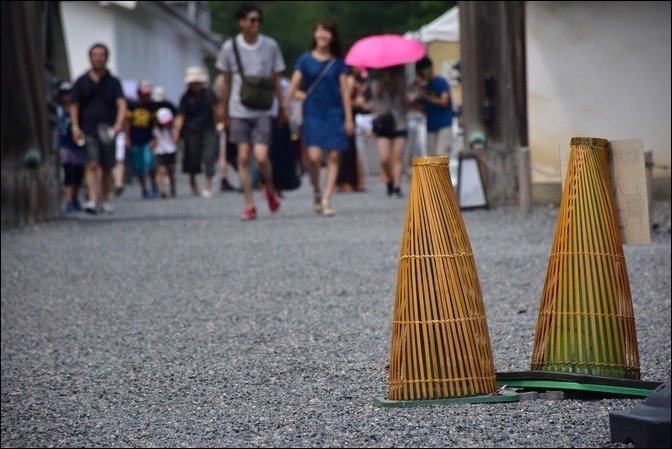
470, 192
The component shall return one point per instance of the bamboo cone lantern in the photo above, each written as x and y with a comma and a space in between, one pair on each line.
440, 343
586, 323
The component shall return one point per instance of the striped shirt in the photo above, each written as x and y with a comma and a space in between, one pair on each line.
264, 58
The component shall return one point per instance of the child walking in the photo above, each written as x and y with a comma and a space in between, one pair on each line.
71, 154
164, 150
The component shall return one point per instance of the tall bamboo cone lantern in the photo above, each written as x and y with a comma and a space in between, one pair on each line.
440, 343
586, 323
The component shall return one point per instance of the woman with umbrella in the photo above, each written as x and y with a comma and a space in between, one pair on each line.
327, 112
390, 104
389, 97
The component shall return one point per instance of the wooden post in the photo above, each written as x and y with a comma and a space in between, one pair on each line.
492, 38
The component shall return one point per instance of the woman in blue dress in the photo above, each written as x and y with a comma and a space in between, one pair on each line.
320, 80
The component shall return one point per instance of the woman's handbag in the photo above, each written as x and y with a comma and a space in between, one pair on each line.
256, 92
384, 125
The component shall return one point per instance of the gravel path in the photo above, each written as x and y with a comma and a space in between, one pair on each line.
173, 324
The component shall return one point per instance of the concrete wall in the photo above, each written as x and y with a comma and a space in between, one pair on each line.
597, 70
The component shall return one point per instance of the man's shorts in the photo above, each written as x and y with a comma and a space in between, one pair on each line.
251, 130
99, 152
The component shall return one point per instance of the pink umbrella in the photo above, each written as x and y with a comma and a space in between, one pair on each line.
384, 50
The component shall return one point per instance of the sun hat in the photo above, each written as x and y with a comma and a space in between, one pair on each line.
163, 115
194, 74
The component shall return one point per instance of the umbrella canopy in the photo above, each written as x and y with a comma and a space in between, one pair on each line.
384, 50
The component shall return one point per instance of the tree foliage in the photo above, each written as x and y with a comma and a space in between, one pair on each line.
291, 22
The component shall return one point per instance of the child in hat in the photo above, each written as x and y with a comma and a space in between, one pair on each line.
164, 150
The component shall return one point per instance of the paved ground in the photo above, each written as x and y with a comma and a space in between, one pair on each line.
173, 323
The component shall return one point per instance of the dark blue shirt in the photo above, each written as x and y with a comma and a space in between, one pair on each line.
197, 110
97, 101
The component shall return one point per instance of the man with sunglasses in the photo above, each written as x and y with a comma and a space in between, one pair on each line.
250, 129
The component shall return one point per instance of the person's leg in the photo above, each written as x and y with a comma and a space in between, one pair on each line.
222, 163
260, 135
93, 181
68, 188
120, 164
384, 146
138, 160
191, 160
107, 162
171, 178
106, 183
78, 173
160, 180
92, 173
244, 173
209, 158
443, 141
398, 151
314, 163
333, 158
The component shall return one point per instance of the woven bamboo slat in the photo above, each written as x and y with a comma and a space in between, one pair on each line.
586, 323
440, 343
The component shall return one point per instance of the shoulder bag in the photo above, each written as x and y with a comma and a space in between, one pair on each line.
256, 92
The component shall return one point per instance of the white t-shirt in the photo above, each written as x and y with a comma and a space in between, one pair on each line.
164, 141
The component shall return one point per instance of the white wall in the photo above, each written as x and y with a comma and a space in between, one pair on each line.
145, 42
597, 69
85, 23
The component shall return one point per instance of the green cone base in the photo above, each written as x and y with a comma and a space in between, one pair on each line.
505, 396
547, 380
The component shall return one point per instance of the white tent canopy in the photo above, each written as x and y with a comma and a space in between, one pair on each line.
444, 28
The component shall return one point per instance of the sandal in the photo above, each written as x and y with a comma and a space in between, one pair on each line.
317, 202
327, 211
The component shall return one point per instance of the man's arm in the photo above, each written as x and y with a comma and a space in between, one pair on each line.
223, 95
77, 133
121, 115
282, 115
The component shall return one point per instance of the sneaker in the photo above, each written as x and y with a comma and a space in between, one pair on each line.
154, 192
71, 207
90, 207
76, 205
390, 188
273, 203
226, 187
397, 192
206, 194
107, 208
317, 202
146, 194
250, 213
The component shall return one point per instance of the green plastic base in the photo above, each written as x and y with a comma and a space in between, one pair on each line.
547, 380
505, 396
